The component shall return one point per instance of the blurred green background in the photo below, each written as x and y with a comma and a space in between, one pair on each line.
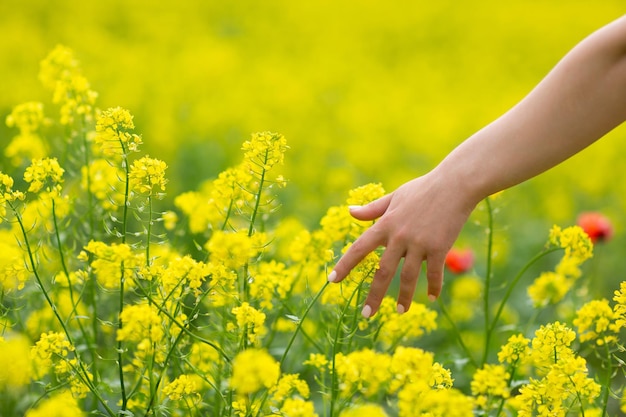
364, 91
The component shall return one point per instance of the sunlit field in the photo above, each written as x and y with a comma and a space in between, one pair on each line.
174, 189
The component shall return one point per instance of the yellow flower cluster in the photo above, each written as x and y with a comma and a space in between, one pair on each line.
62, 404
27, 145
254, 369
184, 387
46, 173
49, 349
264, 150
140, 322
15, 363
61, 73
250, 322
147, 175
110, 262
551, 286
114, 128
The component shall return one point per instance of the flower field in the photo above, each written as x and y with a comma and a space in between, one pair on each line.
174, 189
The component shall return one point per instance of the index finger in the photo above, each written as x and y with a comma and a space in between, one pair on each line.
368, 242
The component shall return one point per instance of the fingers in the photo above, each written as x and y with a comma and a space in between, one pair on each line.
382, 278
368, 242
408, 281
373, 210
434, 274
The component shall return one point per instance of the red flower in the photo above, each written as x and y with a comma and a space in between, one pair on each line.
596, 225
459, 261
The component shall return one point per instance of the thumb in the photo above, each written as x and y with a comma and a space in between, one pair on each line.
373, 210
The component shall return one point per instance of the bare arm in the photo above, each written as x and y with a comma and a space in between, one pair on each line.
578, 102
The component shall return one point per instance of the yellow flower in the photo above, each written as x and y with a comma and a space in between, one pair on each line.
15, 362
548, 288
297, 407
104, 182
27, 117
50, 347
365, 371
415, 322
515, 351
114, 132
249, 320
265, 150
317, 360
233, 250
269, 280
287, 385
620, 305
184, 387
551, 344
364, 410
170, 219
254, 369
42, 173
574, 240
488, 382
62, 404
139, 322
365, 194
595, 320
416, 399
108, 261
147, 175
465, 292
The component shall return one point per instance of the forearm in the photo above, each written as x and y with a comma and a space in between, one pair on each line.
580, 100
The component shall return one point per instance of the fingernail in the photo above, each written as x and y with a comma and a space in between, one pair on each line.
432, 297
353, 207
366, 312
332, 277
400, 309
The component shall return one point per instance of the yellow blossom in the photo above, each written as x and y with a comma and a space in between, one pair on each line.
139, 322
114, 132
42, 173
297, 407
288, 385
104, 182
184, 387
147, 176
270, 280
595, 320
488, 382
254, 369
15, 362
415, 322
364, 370
250, 321
62, 404
265, 150
515, 351
369, 410
109, 260
548, 288
50, 347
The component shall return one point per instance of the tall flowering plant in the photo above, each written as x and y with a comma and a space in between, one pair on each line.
111, 305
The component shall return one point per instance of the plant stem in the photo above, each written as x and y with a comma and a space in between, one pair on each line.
488, 279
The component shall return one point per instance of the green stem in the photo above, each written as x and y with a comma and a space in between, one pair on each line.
120, 344
457, 333
293, 338
334, 382
512, 285
53, 306
90, 345
488, 279
607, 383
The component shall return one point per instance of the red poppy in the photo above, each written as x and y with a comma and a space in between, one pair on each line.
597, 226
459, 261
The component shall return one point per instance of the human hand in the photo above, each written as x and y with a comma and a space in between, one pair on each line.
418, 222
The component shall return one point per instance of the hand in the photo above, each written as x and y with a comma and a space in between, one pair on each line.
418, 222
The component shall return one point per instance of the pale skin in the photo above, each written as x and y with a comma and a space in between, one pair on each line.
578, 102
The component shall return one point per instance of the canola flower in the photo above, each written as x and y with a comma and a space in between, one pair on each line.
217, 306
